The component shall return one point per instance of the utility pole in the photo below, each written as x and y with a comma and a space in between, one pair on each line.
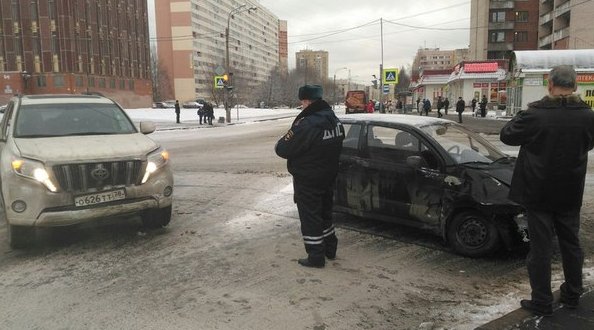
229, 85
381, 73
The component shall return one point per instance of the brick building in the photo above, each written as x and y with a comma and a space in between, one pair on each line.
76, 46
498, 27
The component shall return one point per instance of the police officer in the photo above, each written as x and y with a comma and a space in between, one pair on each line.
312, 147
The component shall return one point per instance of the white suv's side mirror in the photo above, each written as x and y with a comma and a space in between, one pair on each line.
147, 127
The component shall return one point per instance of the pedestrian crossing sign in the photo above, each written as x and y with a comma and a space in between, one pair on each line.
390, 76
219, 82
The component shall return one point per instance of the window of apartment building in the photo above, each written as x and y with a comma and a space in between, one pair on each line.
520, 36
102, 82
112, 83
498, 16
79, 81
41, 81
58, 81
497, 36
522, 16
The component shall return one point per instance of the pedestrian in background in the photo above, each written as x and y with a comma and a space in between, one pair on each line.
200, 113
312, 147
427, 107
460, 105
439, 106
370, 107
446, 105
208, 113
483, 106
418, 101
554, 135
400, 107
473, 104
177, 111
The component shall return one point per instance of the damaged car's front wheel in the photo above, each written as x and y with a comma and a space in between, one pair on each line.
470, 234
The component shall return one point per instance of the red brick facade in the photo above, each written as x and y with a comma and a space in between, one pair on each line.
75, 46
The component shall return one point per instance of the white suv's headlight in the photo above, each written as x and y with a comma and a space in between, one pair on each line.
34, 170
155, 161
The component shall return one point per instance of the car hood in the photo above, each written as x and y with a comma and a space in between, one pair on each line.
80, 148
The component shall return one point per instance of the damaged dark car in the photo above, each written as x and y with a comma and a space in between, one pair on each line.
432, 174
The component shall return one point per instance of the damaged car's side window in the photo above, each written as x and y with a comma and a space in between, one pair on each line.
392, 144
350, 144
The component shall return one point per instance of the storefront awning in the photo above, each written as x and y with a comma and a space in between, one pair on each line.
544, 60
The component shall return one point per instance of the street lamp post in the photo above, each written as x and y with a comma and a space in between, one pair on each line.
334, 87
236, 10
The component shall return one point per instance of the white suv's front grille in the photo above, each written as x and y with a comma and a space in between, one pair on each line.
87, 176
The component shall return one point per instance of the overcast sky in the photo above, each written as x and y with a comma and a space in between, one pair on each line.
350, 30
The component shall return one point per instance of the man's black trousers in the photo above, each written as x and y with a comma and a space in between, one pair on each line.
542, 225
315, 212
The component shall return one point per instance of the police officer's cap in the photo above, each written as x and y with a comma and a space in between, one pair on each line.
310, 92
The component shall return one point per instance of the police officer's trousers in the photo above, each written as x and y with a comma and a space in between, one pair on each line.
315, 212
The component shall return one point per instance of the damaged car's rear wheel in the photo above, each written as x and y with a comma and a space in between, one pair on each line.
470, 234
156, 218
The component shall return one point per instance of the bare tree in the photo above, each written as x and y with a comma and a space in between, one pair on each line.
162, 88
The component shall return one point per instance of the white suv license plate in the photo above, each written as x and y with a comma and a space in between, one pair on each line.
98, 198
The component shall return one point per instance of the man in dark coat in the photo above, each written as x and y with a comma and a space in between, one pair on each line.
177, 111
554, 135
446, 105
312, 147
473, 105
208, 113
483, 106
460, 105
439, 105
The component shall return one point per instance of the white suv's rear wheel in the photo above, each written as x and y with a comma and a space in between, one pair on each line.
156, 218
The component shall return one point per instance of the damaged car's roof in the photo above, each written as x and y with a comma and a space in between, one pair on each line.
417, 121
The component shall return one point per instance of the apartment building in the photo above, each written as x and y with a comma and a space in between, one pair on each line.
436, 59
191, 45
565, 24
314, 63
57, 46
498, 27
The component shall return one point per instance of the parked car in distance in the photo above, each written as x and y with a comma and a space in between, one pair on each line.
67, 159
192, 105
163, 105
432, 174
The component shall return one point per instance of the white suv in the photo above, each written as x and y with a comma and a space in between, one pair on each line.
66, 159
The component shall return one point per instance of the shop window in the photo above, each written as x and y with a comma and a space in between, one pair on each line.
58, 81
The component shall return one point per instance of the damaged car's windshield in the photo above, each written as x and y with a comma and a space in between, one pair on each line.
464, 146
48, 120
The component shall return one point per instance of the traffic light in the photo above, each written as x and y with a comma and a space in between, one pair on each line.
374, 82
225, 78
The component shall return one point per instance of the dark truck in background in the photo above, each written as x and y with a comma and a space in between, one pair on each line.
355, 102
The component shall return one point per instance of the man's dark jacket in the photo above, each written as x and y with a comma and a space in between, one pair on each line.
312, 146
460, 105
555, 135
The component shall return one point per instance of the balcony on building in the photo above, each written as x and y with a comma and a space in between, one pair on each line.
561, 34
501, 25
546, 18
545, 41
562, 8
500, 46
501, 4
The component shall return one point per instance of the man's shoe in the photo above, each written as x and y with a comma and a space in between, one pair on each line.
306, 263
537, 309
570, 303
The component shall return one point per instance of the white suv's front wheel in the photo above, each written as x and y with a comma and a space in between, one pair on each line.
156, 218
